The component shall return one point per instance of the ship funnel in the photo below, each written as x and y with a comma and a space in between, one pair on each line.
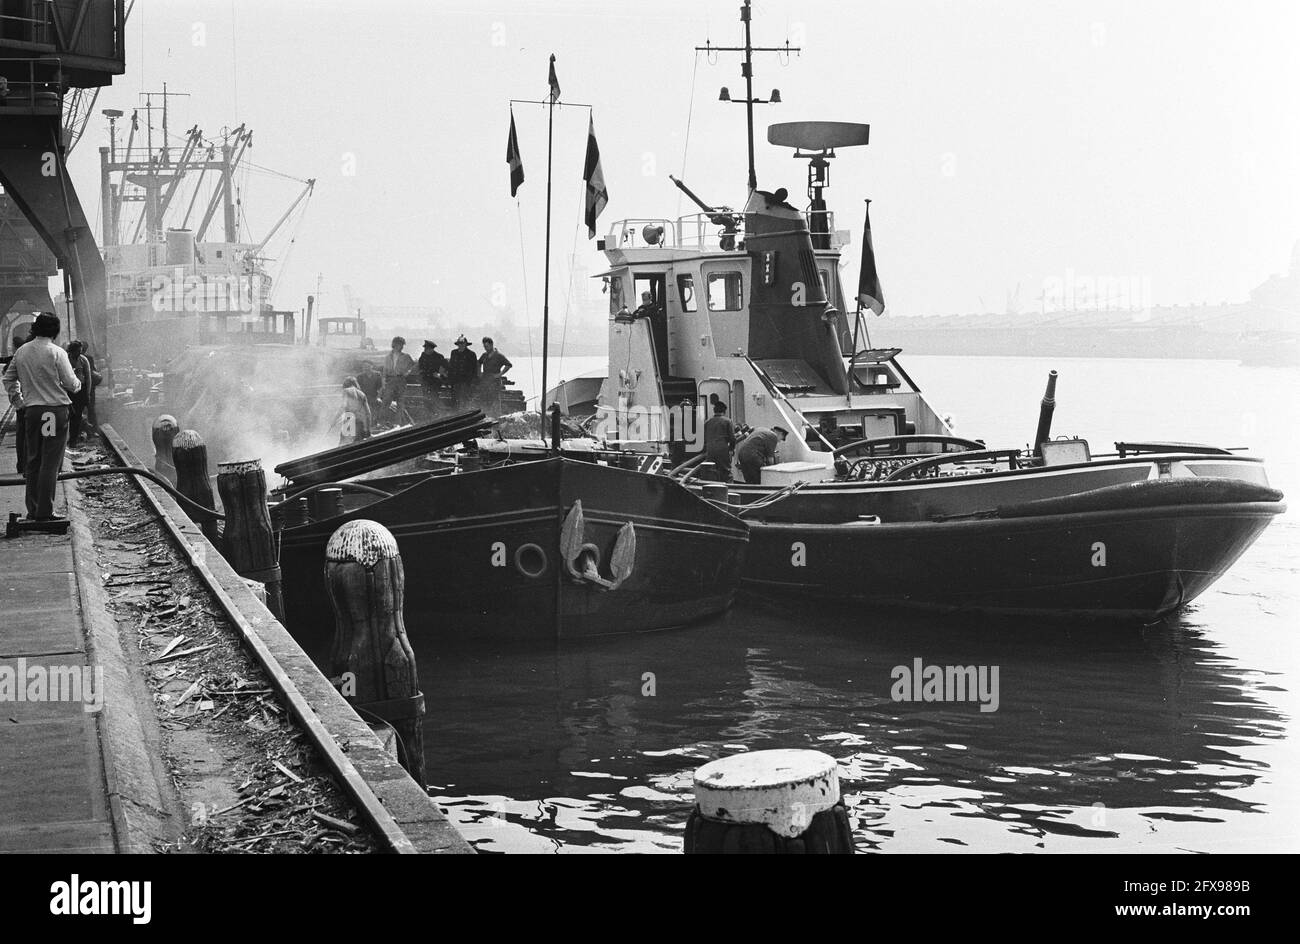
180, 247
787, 299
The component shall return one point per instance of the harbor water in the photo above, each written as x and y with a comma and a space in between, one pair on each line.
1173, 737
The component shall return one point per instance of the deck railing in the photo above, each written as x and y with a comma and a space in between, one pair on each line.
32, 85
698, 231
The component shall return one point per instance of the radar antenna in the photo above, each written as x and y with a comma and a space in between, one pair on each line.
816, 141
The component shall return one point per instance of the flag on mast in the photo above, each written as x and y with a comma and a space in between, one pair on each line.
597, 194
555, 83
870, 294
513, 159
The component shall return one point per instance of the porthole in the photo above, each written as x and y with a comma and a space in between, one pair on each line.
530, 560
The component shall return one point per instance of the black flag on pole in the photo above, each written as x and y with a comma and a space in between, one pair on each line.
597, 193
554, 82
870, 294
513, 159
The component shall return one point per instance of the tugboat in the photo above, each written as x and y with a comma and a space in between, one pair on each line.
875, 499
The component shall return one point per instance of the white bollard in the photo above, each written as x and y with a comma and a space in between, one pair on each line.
777, 801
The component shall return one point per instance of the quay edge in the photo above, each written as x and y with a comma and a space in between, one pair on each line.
403, 817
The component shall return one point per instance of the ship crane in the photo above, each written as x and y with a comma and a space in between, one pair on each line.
306, 192
229, 164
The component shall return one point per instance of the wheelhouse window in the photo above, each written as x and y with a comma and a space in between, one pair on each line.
686, 292
615, 293
875, 377
725, 291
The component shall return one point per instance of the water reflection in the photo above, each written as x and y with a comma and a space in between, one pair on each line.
1106, 738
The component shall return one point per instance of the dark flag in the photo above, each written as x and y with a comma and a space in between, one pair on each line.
597, 194
513, 159
870, 294
555, 83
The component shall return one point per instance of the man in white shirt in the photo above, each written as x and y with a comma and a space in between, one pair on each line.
40, 379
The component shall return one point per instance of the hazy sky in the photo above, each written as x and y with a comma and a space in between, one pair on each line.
1011, 142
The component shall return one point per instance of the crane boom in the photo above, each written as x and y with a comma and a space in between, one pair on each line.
280, 222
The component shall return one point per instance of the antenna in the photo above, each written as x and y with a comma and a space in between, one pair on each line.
149, 108
747, 70
817, 141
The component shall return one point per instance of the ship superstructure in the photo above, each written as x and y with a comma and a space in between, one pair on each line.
183, 267
748, 308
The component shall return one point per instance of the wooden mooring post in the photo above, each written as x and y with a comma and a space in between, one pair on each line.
190, 457
163, 433
372, 660
247, 541
773, 802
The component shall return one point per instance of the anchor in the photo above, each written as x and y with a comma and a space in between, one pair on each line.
582, 559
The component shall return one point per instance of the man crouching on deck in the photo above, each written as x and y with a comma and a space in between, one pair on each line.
758, 450
40, 379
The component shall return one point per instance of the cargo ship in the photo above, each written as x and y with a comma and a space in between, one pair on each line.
183, 269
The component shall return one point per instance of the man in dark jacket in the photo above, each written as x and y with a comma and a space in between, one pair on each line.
80, 399
20, 435
492, 370
371, 382
433, 370
462, 373
719, 440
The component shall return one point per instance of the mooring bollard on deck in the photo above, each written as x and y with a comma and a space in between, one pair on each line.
773, 802
366, 584
247, 541
163, 433
190, 457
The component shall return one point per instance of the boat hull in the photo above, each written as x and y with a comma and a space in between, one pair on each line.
1110, 542
1140, 564
934, 498
484, 554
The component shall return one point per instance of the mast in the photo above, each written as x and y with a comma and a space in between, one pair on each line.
747, 71
552, 99
546, 275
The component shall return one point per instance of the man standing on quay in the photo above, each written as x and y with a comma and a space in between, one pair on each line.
40, 380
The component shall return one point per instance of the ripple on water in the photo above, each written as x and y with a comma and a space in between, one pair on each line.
1167, 738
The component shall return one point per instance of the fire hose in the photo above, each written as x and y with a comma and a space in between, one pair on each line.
191, 507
